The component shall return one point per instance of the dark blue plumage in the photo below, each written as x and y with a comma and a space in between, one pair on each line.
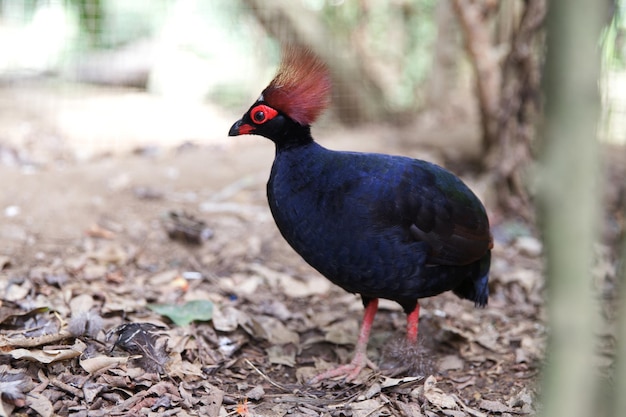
352, 216
377, 225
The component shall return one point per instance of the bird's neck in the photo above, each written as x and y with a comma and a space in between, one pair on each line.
294, 136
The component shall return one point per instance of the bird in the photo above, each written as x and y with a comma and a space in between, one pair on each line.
377, 225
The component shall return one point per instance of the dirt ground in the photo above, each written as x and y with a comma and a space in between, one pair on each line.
95, 186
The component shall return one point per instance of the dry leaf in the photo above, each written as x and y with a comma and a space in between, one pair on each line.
227, 318
256, 393
392, 382
344, 332
184, 370
409, 409
91, 390
436, 396
291, 286
111, 253
450, 362
145, 340
40, 404
367, 408
13, 385
274, 331
282, 354
494, 406
49, 355
81, 303
98, 363
6, 409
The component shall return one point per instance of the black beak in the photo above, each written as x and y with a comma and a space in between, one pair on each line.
234, 130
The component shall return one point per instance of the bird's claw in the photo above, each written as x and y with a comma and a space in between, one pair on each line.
350, 371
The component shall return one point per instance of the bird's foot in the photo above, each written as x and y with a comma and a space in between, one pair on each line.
350, 371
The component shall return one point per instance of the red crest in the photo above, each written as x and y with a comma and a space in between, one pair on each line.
301, 88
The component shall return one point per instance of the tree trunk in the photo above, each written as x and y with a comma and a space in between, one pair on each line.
518, 113
569, 196
508, 90
484, 59
443, 75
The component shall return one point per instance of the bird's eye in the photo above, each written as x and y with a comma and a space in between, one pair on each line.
262, 113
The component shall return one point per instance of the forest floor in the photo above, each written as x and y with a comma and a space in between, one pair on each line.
111, 216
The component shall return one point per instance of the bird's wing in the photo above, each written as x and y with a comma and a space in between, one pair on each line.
446, 214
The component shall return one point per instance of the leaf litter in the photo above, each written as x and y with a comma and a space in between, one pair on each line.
207, 312
244, 333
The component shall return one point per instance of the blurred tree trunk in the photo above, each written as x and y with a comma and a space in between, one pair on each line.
474, 20
569, 194
356, 95
507, 65
619, 399
443, 75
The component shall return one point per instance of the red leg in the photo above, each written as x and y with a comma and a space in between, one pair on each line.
352, 370
412, 321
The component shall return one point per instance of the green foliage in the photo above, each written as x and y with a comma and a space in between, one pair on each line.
614, 41
182, 315
111, 23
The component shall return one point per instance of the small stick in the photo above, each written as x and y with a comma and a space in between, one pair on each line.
276, 384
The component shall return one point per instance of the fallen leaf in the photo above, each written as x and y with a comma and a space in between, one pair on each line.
227, 318
450, 362
17, 292
185, 228
409, 409
522, 400
393, 382
494, 406
182, 315
145, 340
184, 370
367, 408
274, 331
110, 253
293, 287
91, 390
40, 404
81, 303
99, 363
256, 393
163, 278
454, 413
48, 355
6, 409
436, 396
13, 385
344, 332
282, 354
371, 392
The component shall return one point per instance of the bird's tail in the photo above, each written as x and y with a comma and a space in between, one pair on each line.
475, 287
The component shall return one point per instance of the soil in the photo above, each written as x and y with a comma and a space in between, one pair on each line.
114, 201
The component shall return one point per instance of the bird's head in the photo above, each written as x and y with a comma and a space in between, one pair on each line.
292, 101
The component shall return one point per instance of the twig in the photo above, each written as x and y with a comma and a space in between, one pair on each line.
276, 384
67, 388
